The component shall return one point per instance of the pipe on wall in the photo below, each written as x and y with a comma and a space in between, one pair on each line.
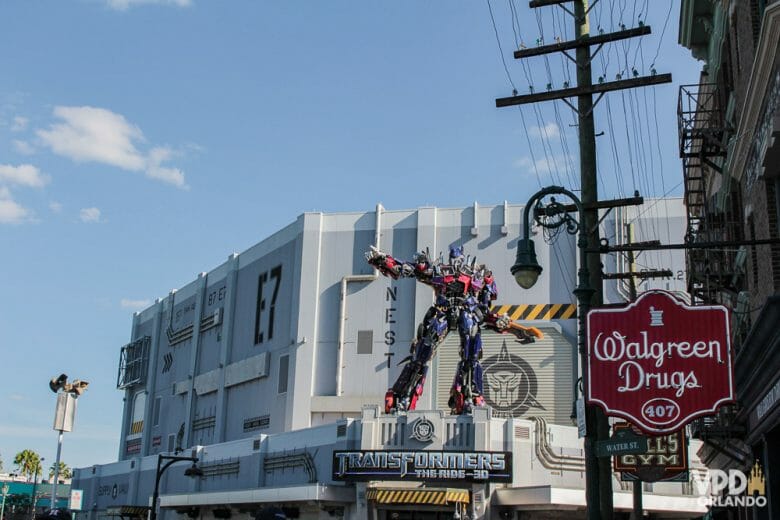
355, 278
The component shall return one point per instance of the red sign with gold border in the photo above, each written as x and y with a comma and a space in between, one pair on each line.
658, 362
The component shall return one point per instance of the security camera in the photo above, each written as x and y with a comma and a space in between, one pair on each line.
58, 383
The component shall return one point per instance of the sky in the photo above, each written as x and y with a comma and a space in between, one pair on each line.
144, 141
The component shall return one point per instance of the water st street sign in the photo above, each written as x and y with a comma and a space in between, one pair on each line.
623, 442
658, 362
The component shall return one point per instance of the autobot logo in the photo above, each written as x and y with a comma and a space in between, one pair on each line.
511, 384
422, 430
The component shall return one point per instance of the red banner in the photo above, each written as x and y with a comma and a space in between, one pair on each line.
658, 362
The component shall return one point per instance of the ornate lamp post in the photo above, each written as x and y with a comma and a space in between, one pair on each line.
192, 471
555, 216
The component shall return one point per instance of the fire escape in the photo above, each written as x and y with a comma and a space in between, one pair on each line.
713, 209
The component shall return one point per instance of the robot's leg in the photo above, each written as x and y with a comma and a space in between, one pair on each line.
398, 396
418, 389
408, 388
457, 399
479, 399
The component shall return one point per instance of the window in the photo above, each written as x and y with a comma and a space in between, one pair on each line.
139, 408
365, 341
171, 442
284, 368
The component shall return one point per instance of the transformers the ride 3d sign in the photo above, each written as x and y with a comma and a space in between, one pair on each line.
428, 465
658, 362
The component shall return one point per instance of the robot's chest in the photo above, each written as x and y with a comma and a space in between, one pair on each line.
455, 285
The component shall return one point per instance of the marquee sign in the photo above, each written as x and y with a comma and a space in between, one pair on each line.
471, 466
658, 362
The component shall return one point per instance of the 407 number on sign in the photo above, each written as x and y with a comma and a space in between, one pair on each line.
661, 411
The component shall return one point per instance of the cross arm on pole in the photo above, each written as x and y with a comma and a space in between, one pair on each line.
583, 42
608, 86
542, 3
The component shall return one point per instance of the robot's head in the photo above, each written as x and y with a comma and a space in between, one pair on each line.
421, 258
441, 302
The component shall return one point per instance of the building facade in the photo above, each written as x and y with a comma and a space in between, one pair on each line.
729, 124
267, 365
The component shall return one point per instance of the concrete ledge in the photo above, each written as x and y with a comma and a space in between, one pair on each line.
331, 403
301, 493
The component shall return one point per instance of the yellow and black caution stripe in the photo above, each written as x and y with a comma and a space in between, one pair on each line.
137, 427
418, 496
538, 311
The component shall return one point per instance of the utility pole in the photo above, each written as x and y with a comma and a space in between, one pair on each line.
598, 478
637, 513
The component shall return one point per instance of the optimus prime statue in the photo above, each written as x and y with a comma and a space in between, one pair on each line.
464, 291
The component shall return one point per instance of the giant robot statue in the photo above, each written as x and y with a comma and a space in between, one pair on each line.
464, 291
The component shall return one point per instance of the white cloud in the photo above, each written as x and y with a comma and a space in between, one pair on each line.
94, 134
89, 134
154, 170
547, 131
19, 124
55, 206
10, 211
123, 5
16, 397
23, 147
89, 215
23, 175
126, 303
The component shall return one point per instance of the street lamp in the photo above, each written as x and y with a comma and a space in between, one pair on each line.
555, 216
5, 489
64, 415
192, 471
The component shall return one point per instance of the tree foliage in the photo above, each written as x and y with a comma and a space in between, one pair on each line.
65, 472
28, 464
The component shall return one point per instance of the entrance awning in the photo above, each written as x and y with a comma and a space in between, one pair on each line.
418, 496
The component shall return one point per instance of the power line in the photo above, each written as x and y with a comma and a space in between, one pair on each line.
500, 50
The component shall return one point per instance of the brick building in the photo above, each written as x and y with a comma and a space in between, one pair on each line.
729, 124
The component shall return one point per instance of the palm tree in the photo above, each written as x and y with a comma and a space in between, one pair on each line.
28, 463
64, 474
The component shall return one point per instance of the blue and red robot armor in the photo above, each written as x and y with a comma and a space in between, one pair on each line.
464, 291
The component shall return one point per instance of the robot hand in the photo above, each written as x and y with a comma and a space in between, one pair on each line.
504, 324
387, 265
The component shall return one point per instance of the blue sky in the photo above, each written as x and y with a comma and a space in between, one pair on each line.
143, 141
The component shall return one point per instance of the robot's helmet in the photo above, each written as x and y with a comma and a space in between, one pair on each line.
470, 303
441, 301
456, 252
421, 258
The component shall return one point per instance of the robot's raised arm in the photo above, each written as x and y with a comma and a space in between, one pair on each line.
387, 265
